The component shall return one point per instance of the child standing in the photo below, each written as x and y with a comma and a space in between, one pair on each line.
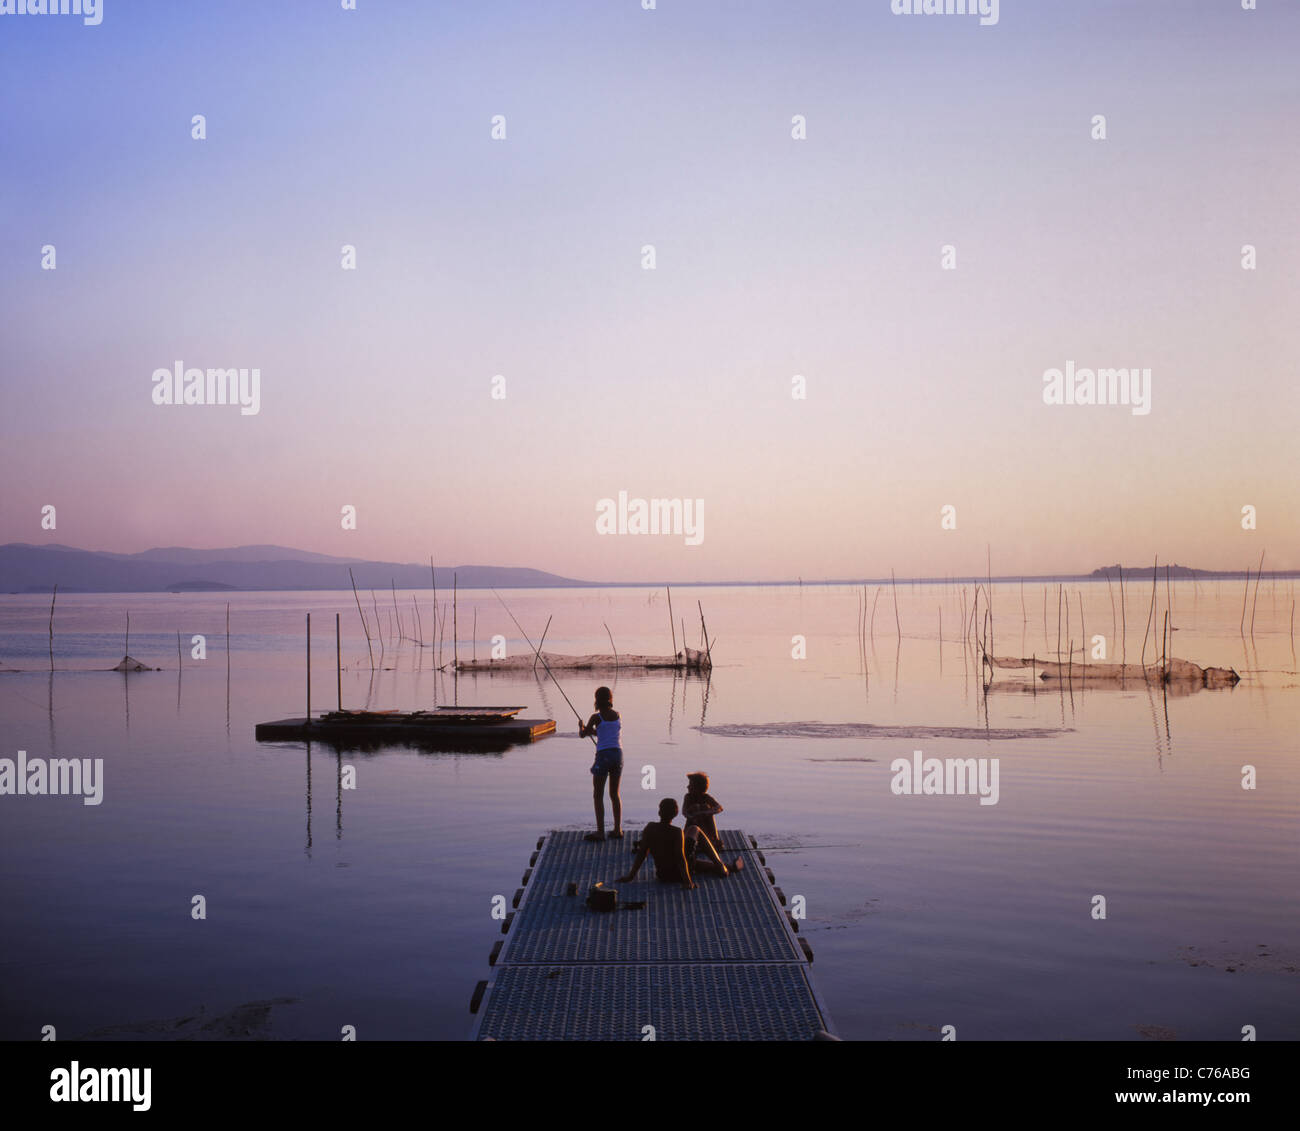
606, 725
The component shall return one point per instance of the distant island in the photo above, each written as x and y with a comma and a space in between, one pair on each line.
25, 568
1174, 570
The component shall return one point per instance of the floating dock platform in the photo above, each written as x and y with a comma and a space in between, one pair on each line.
490, 727
723, 962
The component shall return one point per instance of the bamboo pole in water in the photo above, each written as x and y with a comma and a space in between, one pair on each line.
1058, 624
1169, 602
1244, 598
672, 627
1111, 593
433, 576
1258, 574
455, 622
1123, 612
309, 667
1150, 615
364, 627
338, 658
989, 599
894, 586
54, 597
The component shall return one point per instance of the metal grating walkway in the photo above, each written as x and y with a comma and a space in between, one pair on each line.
721, 962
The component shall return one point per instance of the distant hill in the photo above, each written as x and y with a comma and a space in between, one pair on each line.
25, 568
1175, 572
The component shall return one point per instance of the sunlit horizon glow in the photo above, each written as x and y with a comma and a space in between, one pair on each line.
775, 257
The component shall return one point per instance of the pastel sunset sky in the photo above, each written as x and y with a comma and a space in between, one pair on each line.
774, 257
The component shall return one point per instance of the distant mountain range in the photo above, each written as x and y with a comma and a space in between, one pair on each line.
37, 569
25, 568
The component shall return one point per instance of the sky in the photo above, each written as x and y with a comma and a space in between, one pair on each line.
774, 257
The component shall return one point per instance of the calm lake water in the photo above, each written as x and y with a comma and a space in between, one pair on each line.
371, 907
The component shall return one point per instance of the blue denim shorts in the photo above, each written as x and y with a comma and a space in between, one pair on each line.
608, 762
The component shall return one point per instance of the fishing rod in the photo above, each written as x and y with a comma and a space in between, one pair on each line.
537, 653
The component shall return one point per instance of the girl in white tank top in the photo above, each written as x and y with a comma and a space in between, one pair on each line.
606, 725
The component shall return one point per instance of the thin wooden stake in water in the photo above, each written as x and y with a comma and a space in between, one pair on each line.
989, 598
611, 644
1258, 574
1111, 593
474, 641
1244, 598
338, 658
672, 626
1151, 612
53, 598
1169, 601
894, 584
1068, 637
364, 627
1059, 591
1083, 628
455, 621
433, 576
309, 667
227, 643
1123, 613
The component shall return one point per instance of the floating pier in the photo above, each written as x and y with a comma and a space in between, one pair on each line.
492, 727
689, 660
723, 962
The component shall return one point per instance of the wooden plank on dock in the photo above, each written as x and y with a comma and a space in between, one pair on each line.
721, 962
